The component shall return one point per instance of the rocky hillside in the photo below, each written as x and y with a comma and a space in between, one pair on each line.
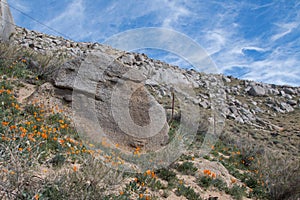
171, 133
268, 111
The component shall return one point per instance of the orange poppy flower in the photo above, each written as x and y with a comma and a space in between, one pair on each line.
5, 123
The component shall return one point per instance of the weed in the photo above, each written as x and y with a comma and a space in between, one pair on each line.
237, 192
186, 168
187, 192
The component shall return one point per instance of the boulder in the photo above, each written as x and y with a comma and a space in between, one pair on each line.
287, 107
7, 25
289, 91
256, 91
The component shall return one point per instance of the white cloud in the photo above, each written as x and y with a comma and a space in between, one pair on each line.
70, 21
285, 28
175, 11
224, 29
256, 7
253, 48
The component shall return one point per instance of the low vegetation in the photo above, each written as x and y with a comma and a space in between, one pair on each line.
43, 157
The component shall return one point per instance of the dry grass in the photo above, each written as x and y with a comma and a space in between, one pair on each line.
281, 174
41, 64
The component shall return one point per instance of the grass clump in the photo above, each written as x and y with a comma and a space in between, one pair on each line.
187, 168
187, 192
21, 62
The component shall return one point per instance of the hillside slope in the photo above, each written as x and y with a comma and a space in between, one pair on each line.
86, 121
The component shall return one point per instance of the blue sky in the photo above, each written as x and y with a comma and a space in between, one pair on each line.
256, 40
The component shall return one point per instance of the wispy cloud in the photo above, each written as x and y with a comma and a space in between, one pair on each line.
20, 5
70, 20
175, 11
261, 38
286, 28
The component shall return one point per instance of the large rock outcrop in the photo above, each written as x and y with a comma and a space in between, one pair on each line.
7, 25
94, 79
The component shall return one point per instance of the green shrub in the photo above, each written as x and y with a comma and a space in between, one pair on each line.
187, 168
187, 192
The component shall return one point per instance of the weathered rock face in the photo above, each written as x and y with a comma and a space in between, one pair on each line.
97, 76
7, 25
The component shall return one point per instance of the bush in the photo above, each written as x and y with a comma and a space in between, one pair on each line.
281, 175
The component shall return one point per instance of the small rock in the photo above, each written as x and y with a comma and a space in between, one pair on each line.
277, 109
288, 96
128, 59
68, 98
273, 91
286, 107
204, 104
139, 57
240, 120
226, 79
231, 116
289, 91
292, 102
270, 100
